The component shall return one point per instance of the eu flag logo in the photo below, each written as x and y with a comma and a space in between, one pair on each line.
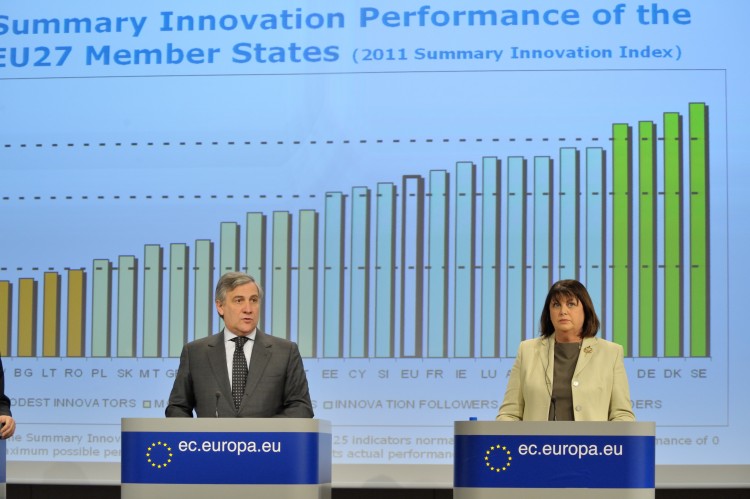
498, 458
159, 454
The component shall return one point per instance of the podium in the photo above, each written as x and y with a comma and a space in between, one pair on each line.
190, 458
560, 460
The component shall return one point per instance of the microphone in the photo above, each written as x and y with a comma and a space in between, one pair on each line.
554, 410
218, 395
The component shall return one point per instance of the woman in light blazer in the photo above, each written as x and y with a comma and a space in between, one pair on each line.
568, 374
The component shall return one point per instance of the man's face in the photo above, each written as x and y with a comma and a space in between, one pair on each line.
241, 309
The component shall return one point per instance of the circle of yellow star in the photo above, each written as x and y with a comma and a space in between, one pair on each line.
495, 452
159, 446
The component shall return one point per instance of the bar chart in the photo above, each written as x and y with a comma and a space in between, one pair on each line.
451, 263
405, 229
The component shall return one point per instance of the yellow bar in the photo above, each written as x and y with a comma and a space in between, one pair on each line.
51, 317
27, 308
6, 307
76, 312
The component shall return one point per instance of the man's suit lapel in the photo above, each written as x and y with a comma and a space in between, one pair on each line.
258, 362
217, 358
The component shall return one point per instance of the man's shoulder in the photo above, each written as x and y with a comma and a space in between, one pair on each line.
275, 340
207, 340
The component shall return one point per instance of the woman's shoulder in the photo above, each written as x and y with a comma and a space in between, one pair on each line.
602, 343
533, 343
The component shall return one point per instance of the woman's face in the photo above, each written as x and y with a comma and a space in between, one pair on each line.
567, 315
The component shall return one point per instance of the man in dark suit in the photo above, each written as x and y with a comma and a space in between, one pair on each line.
213, 370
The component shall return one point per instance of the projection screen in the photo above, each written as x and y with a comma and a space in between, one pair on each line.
406, 180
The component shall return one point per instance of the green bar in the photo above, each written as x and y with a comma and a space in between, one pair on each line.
255, 258
647, 239
127, 292
699, 231
229, 259
51, 315
101, 313
307, 301
179, 258
673, 286
153, 285
622, 161
204, 282
282, 280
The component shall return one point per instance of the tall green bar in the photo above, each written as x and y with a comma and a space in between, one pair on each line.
699, 231
178, 297
673, 285
647, 239
622, 161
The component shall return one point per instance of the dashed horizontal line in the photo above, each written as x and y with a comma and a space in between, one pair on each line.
182, 197
215, 143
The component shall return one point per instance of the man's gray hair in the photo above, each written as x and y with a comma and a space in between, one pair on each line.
232, 280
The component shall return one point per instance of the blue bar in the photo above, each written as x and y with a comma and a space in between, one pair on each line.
437, 265
127, 309
101, 309
569, 220
542, 267
465, 243
281, 302
307, 287
229, 251
594, 231
178, 297
333, 276
153, 286
203, 297
412, 266
359, 289
255, 255
385, 271
230, 247
516, 274
490, 299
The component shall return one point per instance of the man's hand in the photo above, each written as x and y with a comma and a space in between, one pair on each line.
8, 427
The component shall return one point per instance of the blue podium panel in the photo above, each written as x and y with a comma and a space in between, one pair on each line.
227, 458
553, 459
